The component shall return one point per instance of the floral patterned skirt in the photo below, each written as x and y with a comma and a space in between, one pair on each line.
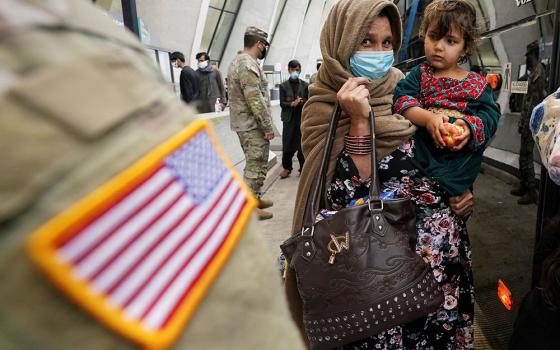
443, 242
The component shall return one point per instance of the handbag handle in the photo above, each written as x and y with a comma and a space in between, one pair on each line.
375, 203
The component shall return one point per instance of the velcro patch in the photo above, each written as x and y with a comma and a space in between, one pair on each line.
140, 252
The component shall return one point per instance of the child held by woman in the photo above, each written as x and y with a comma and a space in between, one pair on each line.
453, 108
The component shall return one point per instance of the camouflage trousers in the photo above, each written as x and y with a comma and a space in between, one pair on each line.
526, 167
256, 150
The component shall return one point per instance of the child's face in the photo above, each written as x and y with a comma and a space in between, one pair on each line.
444, 53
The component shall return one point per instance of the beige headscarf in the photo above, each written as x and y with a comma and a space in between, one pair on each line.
345, 27
340, 37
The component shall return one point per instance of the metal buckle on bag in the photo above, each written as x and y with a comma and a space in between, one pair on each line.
379, 209
305, 229
308, 247
377, 221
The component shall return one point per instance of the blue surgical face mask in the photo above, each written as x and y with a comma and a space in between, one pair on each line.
294, 75
371, 64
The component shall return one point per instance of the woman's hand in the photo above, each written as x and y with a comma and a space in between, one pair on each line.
465, 136
435, 127
462, 205
353, 98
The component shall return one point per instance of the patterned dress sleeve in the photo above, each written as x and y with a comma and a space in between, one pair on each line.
482, 118
407, 92
346, 183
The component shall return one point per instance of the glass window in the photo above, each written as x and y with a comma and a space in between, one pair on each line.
222, 34
209, 28
219, 22
217, 3
232, 5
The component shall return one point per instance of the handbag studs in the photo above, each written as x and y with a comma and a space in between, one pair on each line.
337, 244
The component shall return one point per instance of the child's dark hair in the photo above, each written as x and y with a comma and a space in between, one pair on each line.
446, 13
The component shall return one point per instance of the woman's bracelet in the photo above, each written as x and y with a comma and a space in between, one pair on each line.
358, 145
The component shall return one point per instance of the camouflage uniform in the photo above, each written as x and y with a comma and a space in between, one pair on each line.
58, 144
250, 114
535, 94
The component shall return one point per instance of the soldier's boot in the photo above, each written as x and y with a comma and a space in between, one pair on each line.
265, 203
518, 191
528, 198
263, 215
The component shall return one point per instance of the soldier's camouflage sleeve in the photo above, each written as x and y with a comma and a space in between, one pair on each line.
250, 83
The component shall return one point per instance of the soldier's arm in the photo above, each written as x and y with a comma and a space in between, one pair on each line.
250, 83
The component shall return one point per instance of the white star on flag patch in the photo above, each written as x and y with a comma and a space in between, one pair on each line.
140, 252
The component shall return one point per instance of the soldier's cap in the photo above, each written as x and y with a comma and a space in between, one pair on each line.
261, 34
533, 48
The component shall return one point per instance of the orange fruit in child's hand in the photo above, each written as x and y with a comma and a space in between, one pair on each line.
453, 132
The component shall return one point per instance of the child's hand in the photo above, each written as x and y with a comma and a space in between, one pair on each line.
464, 138
434, 126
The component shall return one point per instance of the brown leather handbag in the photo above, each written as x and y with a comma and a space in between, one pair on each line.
357, 271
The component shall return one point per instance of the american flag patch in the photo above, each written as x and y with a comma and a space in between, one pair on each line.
140, 252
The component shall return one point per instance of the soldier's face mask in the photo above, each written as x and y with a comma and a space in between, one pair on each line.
263, 51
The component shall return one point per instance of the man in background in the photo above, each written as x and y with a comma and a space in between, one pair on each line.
293, 94
250, 113
535, 94
211, 85
188, 82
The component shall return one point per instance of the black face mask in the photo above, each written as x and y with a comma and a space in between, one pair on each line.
263, 53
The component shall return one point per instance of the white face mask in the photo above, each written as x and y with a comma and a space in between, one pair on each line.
203, 64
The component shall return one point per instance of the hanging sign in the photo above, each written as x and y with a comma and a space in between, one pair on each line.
519, 87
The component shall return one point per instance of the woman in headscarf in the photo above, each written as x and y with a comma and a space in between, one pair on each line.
358, 42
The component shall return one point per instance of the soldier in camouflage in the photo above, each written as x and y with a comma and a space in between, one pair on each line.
250, 112
535, 94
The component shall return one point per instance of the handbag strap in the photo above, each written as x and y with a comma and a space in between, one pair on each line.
375, 203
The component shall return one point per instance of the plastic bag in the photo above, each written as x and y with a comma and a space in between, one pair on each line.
545, 127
